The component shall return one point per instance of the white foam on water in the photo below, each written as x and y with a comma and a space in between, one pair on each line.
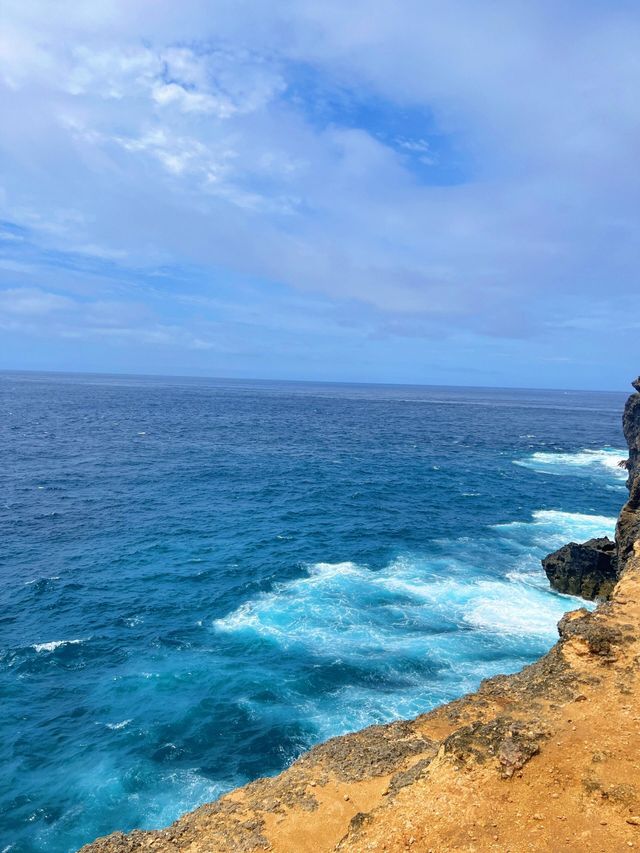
394, 622
402, 611
179, 789
55, 644
37, 580
519, 608
550, 528
583, 462
420, 606
117, 726
326, 570
482, 608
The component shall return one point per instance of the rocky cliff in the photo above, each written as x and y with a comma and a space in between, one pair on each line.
628, 528
547, 759
591, 569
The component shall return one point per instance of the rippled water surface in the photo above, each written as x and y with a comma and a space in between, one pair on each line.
202, 578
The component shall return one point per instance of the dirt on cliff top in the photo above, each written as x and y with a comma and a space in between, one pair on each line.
547, 759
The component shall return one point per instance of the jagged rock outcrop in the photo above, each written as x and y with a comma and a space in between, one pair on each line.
628, 527
589, 570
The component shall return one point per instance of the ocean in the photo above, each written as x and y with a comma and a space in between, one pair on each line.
201, 578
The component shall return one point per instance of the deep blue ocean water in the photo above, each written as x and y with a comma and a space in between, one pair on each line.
202, 578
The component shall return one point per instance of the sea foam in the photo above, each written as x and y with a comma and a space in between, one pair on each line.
417, 605
55, 644
117, 726
585, 462
550, 529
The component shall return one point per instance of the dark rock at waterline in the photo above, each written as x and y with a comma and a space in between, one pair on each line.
588, 569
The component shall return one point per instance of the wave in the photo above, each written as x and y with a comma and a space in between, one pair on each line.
55, 644
405, 610
584, 462
458, 612
550, 528
117, 726
41, 581
406, 637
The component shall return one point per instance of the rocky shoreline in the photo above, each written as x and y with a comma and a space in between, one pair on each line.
591, 569
547, 759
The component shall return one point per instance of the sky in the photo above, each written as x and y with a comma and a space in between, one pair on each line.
419, 191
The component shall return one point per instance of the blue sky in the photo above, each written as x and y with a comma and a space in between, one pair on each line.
429, 192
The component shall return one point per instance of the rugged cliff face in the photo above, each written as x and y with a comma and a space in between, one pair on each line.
628, 529
591, 569
544, 760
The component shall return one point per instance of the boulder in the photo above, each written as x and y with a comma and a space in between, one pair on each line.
588, 570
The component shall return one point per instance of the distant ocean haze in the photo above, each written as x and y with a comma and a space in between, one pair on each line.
203, 578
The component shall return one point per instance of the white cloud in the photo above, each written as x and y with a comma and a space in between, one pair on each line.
113, 73
31, 302
37, 312
176, 134
169, 94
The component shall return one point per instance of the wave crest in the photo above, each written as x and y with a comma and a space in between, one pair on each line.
54, 644
584, 462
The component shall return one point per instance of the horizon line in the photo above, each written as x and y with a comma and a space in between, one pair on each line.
304, 381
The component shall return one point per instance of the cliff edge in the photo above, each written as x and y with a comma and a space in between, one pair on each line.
547, 759
628, 527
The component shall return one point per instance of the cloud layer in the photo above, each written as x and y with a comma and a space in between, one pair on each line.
417, 191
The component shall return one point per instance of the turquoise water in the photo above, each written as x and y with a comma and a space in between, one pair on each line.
202, 578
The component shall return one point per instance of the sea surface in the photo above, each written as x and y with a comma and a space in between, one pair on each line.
200, 579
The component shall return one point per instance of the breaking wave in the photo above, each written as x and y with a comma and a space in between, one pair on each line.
581, 463
55, 644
